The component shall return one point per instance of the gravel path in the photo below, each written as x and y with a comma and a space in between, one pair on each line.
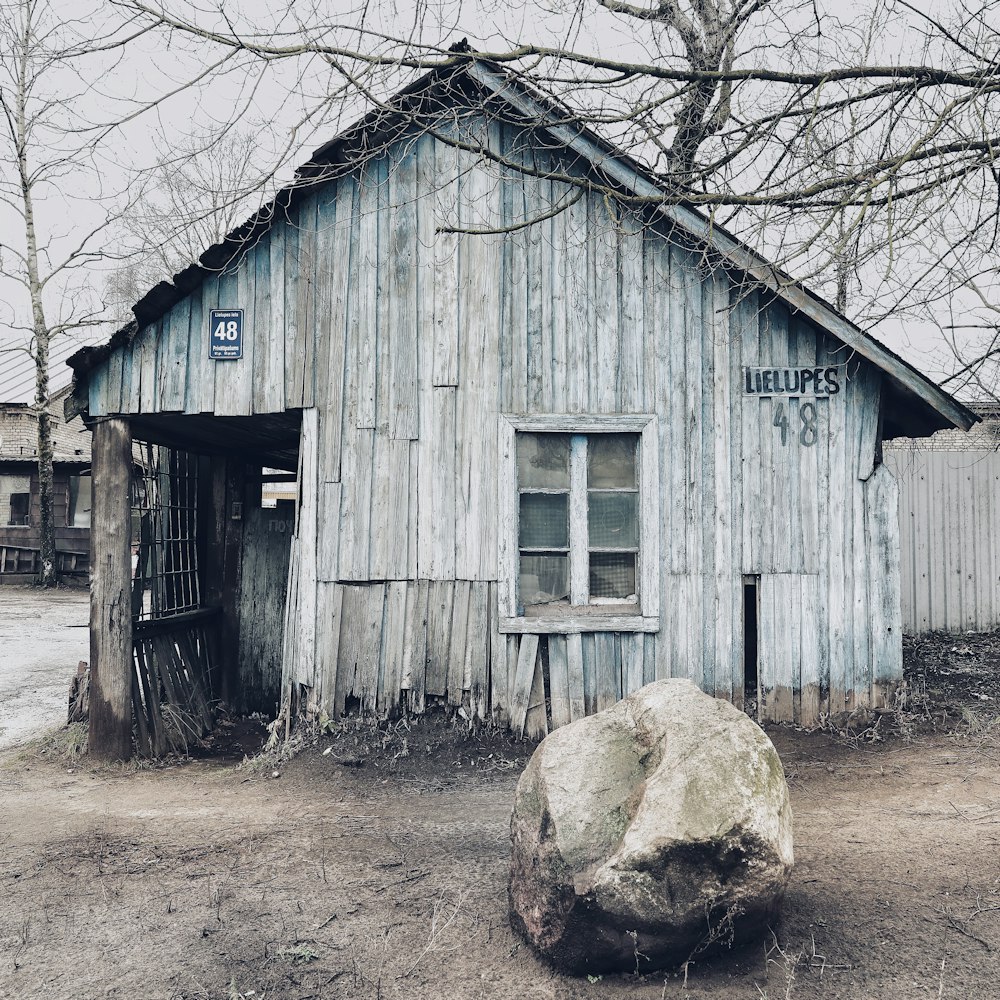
43, 635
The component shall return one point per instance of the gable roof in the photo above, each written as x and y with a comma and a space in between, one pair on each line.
921, 407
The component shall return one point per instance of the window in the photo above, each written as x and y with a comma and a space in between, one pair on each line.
20, 507
578, 546
78, 510
15, 500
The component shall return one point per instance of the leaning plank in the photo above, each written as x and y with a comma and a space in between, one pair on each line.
477, 650
535, 720
143, 740
523, 679
499, 680
415, 654
559, 680
393, 645
574, 671
459, 633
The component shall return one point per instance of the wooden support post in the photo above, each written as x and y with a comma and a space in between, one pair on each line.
110, 592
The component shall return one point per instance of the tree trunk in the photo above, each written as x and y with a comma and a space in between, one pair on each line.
47, 576
110, 593
40, 329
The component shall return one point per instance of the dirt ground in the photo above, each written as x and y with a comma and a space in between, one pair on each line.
374, 866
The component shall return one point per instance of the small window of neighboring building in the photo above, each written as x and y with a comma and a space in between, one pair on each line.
20, 509
578, 533
78, 510
15, 499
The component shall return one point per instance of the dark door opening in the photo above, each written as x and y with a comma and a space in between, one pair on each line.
750, 676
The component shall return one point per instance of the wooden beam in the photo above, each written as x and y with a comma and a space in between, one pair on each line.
110, 593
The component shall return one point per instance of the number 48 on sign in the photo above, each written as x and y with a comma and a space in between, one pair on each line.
225, 334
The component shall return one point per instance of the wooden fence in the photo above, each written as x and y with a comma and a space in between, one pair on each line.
23, 561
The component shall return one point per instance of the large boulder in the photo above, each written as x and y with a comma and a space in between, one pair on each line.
651, 831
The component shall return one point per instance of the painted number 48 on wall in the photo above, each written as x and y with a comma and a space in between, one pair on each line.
225, 334
807, 431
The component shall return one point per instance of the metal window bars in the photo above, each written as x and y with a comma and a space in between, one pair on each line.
164, 533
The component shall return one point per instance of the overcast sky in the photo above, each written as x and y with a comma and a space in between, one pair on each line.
272, 101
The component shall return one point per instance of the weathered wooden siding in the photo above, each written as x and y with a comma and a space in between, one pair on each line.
405, 341
949, 518
263, 582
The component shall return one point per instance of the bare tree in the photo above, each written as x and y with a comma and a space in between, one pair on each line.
42, 146
63, 108
834, 145
187, 201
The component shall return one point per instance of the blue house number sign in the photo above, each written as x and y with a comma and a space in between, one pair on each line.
225, 334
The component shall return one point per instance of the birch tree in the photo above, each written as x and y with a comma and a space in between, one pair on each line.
42, 147
186, 202
66, 98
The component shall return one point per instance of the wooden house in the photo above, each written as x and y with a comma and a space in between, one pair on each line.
554, 438
20, 520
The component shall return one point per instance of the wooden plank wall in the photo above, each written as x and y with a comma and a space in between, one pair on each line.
949, 526
405, 341
266, 541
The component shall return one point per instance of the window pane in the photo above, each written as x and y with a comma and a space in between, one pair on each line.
543, 461
544, 520
544, 578
612, 574
611, 519
20, 507
611, 460
78, 514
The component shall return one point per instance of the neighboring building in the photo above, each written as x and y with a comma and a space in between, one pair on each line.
20, 535
949, 521
552, 441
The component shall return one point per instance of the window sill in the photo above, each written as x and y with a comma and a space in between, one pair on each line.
569, 624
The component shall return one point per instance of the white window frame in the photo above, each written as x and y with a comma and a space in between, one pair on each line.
647, 570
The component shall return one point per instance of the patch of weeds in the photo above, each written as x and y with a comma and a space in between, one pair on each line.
182, 728
277, 751
66, 744
786, 964
300, 953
